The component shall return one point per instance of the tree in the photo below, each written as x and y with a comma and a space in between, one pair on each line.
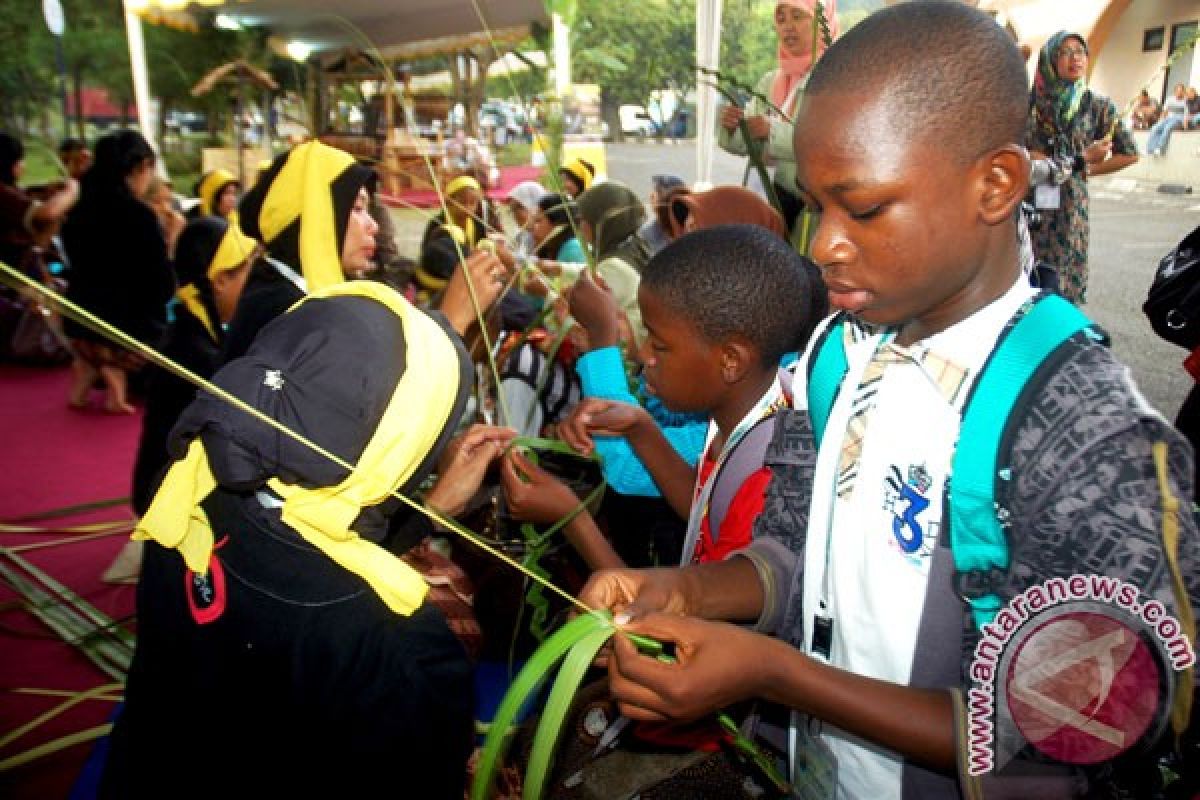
26, 74
96, 52
631, 48
748, 41
180, 58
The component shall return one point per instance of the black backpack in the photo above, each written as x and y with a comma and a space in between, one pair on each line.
1173, 302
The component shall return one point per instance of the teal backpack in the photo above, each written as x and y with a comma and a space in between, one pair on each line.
1043, 333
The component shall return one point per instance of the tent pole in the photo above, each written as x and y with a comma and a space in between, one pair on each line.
141, 84
708, 51
237, 128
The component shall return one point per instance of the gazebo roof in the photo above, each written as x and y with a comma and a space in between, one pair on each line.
234, 72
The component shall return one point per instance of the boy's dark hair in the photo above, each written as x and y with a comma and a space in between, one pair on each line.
740, 279
946, 70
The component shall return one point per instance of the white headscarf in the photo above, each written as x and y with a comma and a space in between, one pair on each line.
527, 193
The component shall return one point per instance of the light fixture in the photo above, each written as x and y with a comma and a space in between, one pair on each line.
299, 51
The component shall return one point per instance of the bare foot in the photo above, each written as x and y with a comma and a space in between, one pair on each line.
114, 381
84, 375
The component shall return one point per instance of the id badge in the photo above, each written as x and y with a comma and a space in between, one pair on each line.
1048, 198
814, 766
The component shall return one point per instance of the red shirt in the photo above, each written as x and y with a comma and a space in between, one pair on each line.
738, 525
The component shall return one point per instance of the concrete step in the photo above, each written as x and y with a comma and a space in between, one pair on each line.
1179, 165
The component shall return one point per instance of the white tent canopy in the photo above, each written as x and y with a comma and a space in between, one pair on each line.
325, 25
319, 25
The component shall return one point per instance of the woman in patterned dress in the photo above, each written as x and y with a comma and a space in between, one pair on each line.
1070, 122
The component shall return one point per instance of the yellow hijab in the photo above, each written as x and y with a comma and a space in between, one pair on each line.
231, 253
301, 190
210, 185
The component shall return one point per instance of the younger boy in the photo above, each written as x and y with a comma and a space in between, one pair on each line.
715, 335
906, 142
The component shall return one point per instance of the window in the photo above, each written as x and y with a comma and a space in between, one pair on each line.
1153, 39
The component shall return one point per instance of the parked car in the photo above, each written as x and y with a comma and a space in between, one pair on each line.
507, 121
186, 121
636, 121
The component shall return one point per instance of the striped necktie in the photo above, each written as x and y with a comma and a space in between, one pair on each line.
946, 375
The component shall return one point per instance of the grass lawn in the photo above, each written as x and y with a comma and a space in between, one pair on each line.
41, 164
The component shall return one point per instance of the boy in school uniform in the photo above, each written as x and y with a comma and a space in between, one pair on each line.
907, 142
715, 336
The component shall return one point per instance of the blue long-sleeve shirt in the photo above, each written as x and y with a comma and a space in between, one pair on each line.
602, 375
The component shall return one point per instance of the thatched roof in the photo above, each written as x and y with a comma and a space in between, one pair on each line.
234, 72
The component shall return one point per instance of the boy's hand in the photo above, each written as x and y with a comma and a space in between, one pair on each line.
533, 494
463, 466
716, 665
602, 418
593, 306
630, 593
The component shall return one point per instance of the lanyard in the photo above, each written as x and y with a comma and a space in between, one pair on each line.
289, 273
823, 602
768, 404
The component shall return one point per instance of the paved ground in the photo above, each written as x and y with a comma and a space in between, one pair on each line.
1132, 228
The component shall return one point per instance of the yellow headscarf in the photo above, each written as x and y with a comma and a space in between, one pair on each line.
581, 171
426, 393
210, 185
468, 228
232, 252
301, 190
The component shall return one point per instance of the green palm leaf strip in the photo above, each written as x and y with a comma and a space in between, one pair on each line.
821, 26
523, 689
558, 705
538, 543
575, 645
54, 746
738, 87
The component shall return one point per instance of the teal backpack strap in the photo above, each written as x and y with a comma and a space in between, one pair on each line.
826, 368
978, 523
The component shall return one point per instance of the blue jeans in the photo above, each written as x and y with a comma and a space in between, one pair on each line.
1161, 133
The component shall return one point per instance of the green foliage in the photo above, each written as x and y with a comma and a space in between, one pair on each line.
633, 47
96, 54
524, 84
748, 41
179, 59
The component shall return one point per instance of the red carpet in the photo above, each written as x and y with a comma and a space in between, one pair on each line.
427, 198
54, 457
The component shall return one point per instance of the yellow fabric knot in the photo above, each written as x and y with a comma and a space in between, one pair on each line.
414, 419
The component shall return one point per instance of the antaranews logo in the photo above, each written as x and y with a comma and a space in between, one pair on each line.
1079, 668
